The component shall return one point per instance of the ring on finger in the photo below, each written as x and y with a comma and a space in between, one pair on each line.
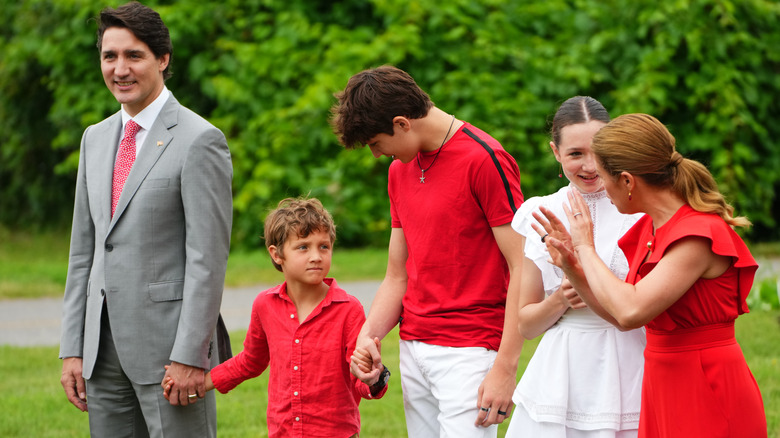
577, 214
484, 409
500, 412
192, 396
544, 237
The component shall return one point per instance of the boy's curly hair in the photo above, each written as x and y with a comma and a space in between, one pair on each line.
302, 216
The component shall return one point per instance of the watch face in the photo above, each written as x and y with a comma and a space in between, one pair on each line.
384, 376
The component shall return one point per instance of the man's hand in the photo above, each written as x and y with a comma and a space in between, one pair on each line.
73, 382
187, 381
494, 399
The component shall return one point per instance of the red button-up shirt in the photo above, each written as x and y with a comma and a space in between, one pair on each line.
311, 392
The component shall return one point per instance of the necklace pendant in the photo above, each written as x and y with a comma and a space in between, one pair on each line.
422, 175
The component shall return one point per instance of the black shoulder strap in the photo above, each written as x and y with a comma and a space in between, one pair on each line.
498, 166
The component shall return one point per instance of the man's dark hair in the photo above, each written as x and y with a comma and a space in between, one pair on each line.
371, 100
145, 23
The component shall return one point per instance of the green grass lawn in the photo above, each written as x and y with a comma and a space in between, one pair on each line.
36, 265
33, 265
34, 405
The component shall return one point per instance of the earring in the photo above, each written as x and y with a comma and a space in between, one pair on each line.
629, 195
560, 173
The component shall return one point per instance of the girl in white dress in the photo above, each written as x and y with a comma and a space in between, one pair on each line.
585, 377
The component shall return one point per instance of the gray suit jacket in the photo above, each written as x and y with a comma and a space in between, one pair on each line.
160, 262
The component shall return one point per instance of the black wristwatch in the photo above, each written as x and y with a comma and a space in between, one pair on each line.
384, 376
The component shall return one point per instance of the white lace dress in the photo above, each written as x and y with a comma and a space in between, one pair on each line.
585, 377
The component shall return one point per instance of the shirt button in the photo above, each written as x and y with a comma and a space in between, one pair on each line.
295, 367
292, 315
297, 418
295, 393
297, 341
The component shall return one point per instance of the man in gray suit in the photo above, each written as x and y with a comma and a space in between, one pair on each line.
149, 246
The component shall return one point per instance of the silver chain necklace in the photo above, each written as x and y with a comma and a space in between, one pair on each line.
422, 175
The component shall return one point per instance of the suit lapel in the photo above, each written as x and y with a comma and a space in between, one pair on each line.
157, 140
106, 156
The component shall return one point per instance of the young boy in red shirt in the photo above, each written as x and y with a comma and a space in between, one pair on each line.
305, 330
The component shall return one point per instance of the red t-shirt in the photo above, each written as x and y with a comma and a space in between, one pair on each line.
311, 392
458, 278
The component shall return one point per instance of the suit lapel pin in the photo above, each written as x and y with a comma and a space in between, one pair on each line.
159, 143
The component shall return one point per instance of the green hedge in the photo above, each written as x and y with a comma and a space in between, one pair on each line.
265, 71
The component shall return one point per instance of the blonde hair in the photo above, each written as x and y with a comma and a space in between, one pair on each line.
302, 216
642, 146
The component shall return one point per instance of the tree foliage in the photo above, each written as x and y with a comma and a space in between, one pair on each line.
265, 72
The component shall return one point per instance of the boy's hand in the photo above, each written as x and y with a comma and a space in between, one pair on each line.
494, 396
366, 366
362, 359
167, 384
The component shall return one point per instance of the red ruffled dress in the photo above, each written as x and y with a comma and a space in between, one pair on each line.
696, 381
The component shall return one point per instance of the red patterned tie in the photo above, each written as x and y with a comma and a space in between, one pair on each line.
124, 162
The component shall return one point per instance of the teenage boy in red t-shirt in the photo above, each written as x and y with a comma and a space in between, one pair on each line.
305, 329
454, 262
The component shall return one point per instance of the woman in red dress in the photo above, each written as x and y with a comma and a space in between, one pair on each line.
689, 277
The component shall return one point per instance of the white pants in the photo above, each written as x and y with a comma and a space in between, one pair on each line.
440, 386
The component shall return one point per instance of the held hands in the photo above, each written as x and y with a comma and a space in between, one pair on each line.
167, 384
366, 365
182, 384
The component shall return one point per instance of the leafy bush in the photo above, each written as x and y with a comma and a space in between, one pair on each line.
764, 295
265, 72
